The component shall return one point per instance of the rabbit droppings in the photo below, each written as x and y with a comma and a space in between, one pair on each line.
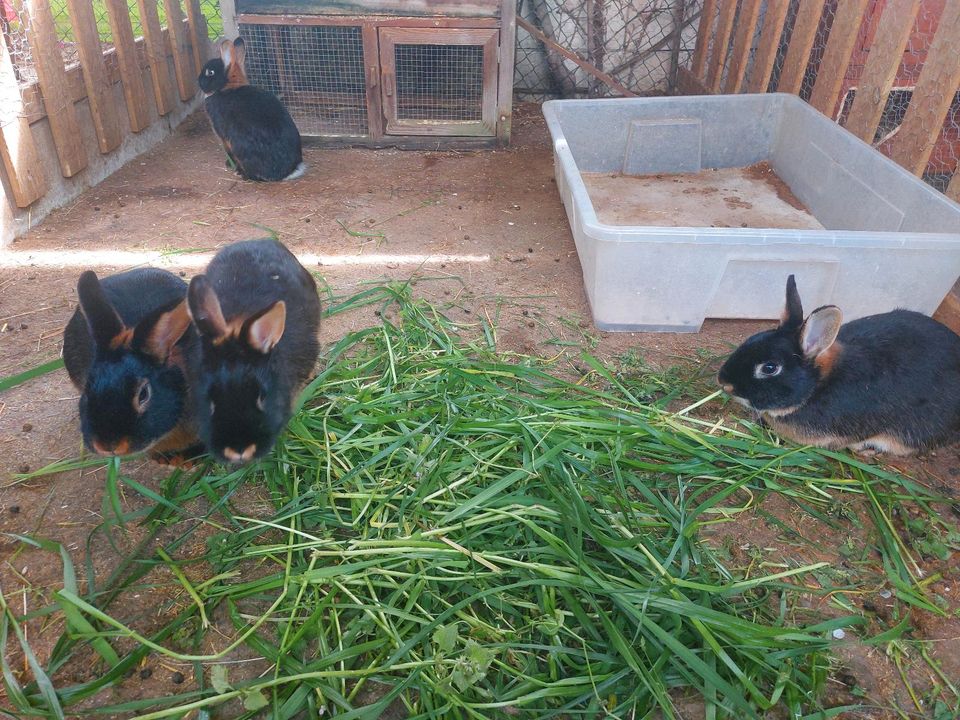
125, 349
257, 312
884, 383
257, 132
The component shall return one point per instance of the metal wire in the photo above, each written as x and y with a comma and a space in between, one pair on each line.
317, 71
439, 82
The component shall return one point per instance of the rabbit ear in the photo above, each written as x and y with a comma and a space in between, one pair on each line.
157, 334
102, 319
226, 52
264, 330
820, 330
205, 309
239, 52
792, 316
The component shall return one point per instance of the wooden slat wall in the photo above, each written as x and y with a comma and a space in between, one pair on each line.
769, 42
182, 64
749, 12
913, 144
106, 121
54, 94
843, 35
884, 59
134, 91
801, 43
17, 149
721, 42
157, 54
53, 83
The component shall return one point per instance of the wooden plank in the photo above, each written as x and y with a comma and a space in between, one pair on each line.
52, 78
953, 189
912, 145
452, 8
886, 55
721, 42
801, 43
17, 149
371, 63
704, 31
773, 22
507, 50
689, 84
198, 34
103, 109
155, 44
836, 57
125, 46
570, 55
746, 28
182, 66
949, 311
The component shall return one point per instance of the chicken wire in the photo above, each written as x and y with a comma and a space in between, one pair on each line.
944, 159
15, 24
439, 82
639, 43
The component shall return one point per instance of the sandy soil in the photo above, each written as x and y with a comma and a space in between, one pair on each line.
483, 231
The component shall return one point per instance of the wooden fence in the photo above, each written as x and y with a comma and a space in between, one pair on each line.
58, 87
876, 38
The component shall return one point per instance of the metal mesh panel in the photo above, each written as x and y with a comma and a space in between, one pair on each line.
317, 71
439, 82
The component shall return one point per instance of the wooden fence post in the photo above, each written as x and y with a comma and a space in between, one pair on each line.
801, 42
699, 63
836, 57
106, 122
886, 54
746, 27
721, 42
773, 22
183, 69
134, 90
17, 149
57, 98
156, 55
932, 96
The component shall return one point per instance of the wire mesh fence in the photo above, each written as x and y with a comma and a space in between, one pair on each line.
868, 26
15, 27
638, 45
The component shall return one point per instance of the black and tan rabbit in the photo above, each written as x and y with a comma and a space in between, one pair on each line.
885, 383
126, 348
257, 132
257, 312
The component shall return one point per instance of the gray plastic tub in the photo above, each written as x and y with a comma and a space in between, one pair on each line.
887, 239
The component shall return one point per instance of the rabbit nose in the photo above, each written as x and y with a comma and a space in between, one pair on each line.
728, 389
240, 457
120, 448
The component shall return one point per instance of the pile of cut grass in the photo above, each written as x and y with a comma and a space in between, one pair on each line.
459, 534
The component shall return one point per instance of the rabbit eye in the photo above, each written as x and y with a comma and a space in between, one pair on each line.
144, 393
208, 72
767, 370
213, 407
261, 402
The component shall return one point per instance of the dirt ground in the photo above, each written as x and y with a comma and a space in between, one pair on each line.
483, 230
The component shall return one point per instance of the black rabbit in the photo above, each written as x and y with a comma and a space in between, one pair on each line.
126, 348
884, 383
257, 311
257, 132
